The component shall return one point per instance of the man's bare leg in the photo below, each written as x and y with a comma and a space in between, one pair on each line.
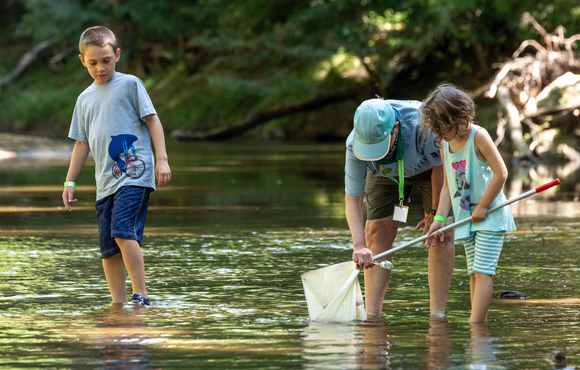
380, 235
440, 271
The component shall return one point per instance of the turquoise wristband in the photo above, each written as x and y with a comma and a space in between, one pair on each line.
70, 183
440, 218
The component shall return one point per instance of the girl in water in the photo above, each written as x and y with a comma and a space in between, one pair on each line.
474, 177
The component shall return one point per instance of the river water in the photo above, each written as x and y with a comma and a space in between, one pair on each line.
224, 247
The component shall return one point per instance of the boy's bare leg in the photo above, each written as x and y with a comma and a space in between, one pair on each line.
440, 271
133, 258
482, 295
380, 235
115, 274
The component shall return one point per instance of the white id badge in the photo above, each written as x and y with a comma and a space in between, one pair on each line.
400, 213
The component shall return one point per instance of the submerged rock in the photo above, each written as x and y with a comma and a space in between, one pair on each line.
557, 357
508, 294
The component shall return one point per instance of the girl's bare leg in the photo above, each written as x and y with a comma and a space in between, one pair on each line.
481, 299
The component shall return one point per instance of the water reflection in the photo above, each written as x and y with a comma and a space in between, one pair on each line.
119, 338
225, 245
480, 350
438, 342
547, 203
361, 345
331, 345
375, 343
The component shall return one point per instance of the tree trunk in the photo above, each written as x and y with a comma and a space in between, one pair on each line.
514, 125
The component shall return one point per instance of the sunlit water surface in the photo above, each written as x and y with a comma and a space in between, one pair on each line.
224, 248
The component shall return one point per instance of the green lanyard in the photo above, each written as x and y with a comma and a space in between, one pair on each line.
399, 154
401, 181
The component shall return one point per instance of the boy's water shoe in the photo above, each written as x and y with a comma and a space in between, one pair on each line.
140, 300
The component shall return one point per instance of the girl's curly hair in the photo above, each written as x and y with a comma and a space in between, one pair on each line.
445, 108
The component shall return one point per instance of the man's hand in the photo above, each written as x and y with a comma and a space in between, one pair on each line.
363, 256
67, 197
427, 221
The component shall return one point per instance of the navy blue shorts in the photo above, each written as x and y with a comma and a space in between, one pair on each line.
121, 215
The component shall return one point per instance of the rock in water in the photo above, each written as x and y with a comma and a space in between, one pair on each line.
508, 294
557, 357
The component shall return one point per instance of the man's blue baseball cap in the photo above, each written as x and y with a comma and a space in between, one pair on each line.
374, 120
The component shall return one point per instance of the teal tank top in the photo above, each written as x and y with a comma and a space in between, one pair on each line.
468, 178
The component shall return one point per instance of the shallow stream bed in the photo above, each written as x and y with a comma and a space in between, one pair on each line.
224, 247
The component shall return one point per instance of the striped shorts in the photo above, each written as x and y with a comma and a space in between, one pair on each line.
482, 249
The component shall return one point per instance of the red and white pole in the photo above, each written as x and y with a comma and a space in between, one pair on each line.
468, 219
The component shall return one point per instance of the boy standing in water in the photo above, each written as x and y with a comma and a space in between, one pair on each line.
474, 177
114, 118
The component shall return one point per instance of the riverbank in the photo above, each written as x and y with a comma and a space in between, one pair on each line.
32, 146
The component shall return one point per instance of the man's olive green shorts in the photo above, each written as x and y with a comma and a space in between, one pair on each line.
382, 194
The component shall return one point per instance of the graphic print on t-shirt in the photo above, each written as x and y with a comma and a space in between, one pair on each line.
462, 184
130, 165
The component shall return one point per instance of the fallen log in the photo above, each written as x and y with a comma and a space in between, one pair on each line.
255, 119
552, 110
27, 59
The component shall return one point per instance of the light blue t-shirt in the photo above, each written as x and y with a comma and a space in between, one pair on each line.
421, 154
468, 178
111, 118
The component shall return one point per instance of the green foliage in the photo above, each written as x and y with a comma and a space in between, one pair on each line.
210, 62
45, 108
45, 19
